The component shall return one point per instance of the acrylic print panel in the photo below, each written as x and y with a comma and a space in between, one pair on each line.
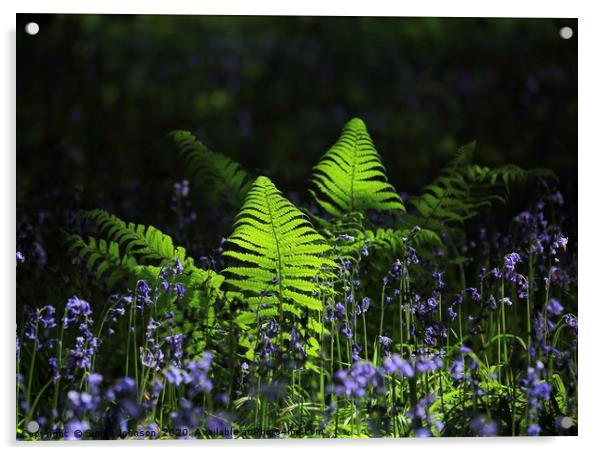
295, 227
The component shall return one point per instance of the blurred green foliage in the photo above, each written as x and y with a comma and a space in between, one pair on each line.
98, 94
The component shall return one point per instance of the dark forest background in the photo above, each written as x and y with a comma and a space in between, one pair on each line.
97, 95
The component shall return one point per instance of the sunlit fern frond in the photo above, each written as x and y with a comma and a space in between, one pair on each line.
351, 177
276, 258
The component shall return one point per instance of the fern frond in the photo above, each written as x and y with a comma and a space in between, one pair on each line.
220, 178
145, 243
351, 177
102, 258
276, 254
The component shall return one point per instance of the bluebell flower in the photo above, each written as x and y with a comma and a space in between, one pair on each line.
385, 341
397, 365
76, 310
20, 257
438, 276
571, 321
510, 261
484, 426
474, 294
54, 370
559, 243
554, 307
346, 330
533, 430
179, 267
175, 343
423, 433
365, 304
179, 290
411, 256
456, 369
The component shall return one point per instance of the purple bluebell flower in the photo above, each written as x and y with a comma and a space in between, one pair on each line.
554, 307
571, 321
20, 257
365, 304
510, 261
47, 317
54, 369
346, 330
456, 369
340, 310
179, 267
411, 256
179, 290
438, 276
474, 294
76, 311
484, 426
356, 381
533, 430
559, 243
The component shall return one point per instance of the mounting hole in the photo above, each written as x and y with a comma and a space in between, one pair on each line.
32, 28
566, 32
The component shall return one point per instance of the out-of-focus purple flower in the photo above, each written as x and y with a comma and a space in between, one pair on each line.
355, 381
219, 425
423, 433
456, 369
54, 369
438, 276
20, 257
484, 426
506, 301
411, 256
397, 365
554, 307
533, 430
186, 419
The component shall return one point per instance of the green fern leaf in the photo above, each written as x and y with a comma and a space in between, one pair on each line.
275, 251
217, 176
351, 177
145, 243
